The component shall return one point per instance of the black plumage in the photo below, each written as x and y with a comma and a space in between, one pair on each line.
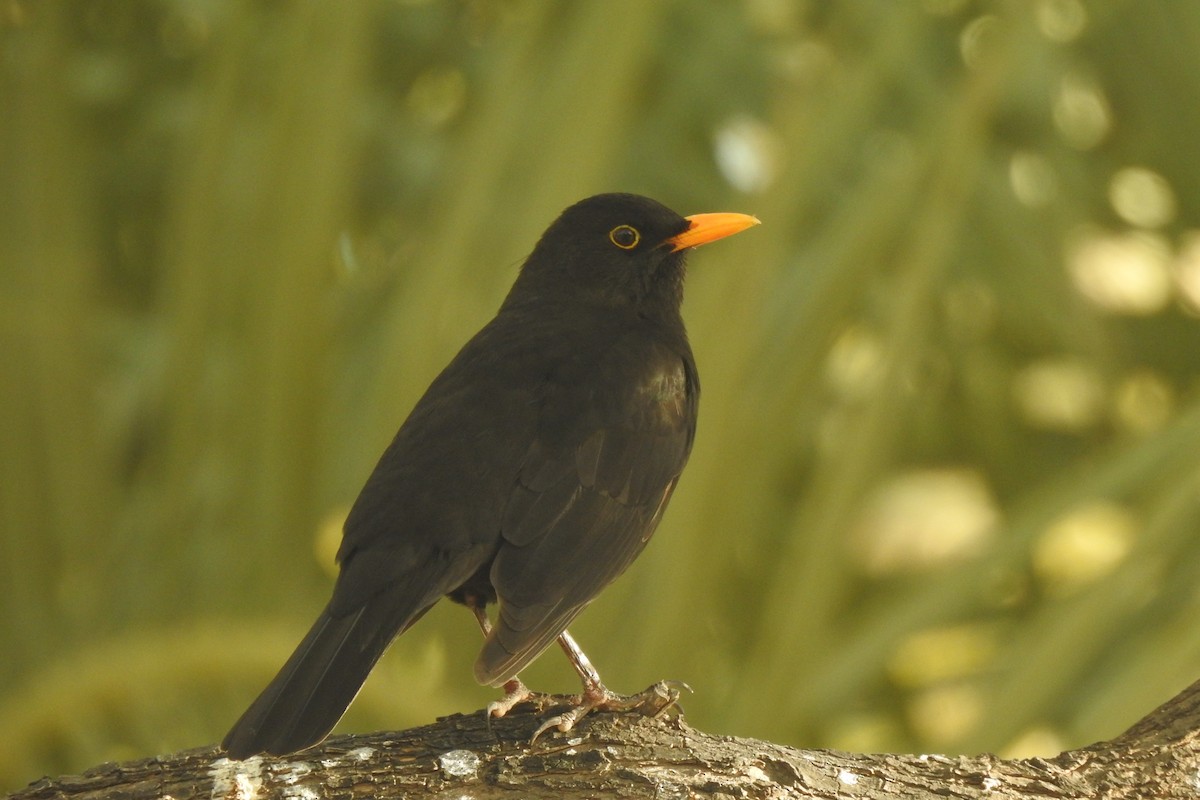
531, 473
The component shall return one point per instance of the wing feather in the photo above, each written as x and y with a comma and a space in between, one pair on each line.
590, 493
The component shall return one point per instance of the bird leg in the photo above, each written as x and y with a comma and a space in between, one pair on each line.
652, 701
515, 691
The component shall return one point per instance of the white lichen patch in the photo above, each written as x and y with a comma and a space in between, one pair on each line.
755, 773
462, 764
300, 793
290, 772
847, 778
990, 783
236, 780
361, 753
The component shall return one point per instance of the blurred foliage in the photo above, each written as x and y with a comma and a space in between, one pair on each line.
947, 483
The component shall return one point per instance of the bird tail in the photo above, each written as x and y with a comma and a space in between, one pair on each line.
317, 684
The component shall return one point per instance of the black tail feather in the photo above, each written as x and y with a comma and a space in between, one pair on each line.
317, 684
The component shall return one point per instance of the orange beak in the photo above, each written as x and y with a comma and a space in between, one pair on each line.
707, 228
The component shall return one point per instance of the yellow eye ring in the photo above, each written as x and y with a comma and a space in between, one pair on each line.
624, 237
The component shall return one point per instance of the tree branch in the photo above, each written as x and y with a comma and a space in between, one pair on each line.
635, 756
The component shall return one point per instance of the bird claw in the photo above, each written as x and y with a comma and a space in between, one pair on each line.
515, 693
653, 702
563, 722
662, 696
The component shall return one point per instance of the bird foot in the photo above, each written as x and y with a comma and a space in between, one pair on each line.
515, 693
654, 701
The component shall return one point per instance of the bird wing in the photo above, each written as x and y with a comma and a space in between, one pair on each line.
429, 512
612, 440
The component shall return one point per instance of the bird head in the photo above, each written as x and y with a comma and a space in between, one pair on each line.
619, 250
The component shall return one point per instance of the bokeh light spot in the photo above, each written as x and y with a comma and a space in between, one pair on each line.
1062, 394
924, 518
747, 154
937, 655
855, 363
978, 38
1122, 273
1187, 270
1142, 197
943, 714
1143, 402
1032, 178
1061, 20
1084, 545
1081, 112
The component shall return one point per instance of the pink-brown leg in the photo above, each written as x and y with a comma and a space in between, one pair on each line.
653, 701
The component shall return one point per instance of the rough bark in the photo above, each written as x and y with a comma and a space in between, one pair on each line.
628, 755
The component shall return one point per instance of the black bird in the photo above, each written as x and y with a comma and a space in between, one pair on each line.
530, 474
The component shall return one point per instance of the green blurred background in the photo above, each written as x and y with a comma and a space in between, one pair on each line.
946, 487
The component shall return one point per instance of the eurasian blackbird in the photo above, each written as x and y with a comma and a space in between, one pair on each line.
530, 474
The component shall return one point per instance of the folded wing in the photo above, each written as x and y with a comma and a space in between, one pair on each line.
589, 495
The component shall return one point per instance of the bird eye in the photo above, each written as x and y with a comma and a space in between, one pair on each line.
624, 237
